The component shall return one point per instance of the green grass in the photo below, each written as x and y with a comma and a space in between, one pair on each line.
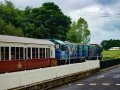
113, 54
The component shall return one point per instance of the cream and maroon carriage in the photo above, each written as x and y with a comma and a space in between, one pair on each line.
20, 53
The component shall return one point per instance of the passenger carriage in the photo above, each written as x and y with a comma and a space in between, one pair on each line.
19, 53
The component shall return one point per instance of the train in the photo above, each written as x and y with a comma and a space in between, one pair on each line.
21, 53
67, 53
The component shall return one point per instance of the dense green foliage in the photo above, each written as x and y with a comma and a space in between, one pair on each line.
107, 44
8, 20
47, 21
79, 32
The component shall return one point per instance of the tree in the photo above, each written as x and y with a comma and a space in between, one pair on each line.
72, 34
7, 11
55, 23
79, 32
107, 44
9, 29
10, 14
46, 22
2, 27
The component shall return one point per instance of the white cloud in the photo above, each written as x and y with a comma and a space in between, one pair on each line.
88, 12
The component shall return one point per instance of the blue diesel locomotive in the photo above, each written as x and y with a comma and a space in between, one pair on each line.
66, 52
61, 51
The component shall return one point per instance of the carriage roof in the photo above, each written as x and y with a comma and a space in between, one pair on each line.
15, 39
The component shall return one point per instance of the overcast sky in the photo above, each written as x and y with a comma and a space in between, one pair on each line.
103, 16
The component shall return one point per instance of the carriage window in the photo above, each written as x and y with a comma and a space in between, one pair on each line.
40, 52
36, 53
17, 52
25, 53
21, 52
0, 53
47, 52
29, 53
33, 53
13, 53
43, 53
4, 53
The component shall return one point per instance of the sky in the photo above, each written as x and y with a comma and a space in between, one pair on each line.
103, 16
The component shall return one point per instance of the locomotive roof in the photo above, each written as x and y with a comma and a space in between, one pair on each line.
15, 39
58, 41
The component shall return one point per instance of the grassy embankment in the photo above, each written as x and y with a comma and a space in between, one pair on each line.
113, 54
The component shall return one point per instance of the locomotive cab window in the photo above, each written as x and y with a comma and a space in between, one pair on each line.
57, 46
63, 48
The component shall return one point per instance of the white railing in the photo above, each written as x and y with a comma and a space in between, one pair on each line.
16, 79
